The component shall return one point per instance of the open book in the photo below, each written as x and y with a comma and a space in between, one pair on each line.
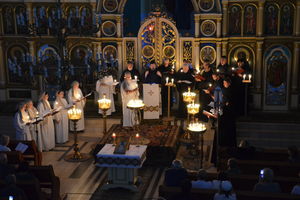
209, 114
21, 147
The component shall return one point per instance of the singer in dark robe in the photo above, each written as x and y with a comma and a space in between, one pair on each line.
134, 72
184, 80
152, 75
227, 126
223, 67
167, 71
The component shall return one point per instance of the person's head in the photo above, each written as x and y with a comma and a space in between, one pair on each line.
22, 106
232, 163
225, 188
127, 76
240, 62
227, 82
4, 140
129, 65
266, 175
60, 94
185, 67
75, 84
202, 174
10, 179
152, 65
223, 60
23, 167
206, 65
29, 104
215, 76
44, 96
293, 151
222, 176
166, 62
244, 144
177, 164
3, 158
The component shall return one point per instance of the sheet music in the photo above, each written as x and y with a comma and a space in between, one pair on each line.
21, 147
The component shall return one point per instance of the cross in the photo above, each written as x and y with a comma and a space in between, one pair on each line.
150, 92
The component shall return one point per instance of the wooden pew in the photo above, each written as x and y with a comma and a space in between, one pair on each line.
31, 154
254, 166
169, 192
13, 157
47, 178
31, 188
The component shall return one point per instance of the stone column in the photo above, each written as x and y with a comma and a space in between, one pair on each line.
29, 11
225, 18
1, 22
197, 54
260, 18
219, 28
95, 50
119, 29
297, 20
295, 72
224, 49
197, 25
2, 66
219, 53
31, 48
119, 57
259, 65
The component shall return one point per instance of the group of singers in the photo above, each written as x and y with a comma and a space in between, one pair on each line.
48, 124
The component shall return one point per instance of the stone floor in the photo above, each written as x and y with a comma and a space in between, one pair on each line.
80, 180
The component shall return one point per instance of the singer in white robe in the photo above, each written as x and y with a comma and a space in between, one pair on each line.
35, 128
76, 98
47, 126
129, 91
21, 123
61, 120
106, 86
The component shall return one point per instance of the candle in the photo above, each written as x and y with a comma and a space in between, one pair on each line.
115, 80
114, 135
167, 80
135, 78
136, 103
244, 76
104, 103
209, 84
172, 80
250, 76
137, 135
218, 70
74, 113
232, 68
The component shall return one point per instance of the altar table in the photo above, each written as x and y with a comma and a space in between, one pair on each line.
122, 168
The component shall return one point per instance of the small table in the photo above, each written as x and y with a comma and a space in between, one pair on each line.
122, 168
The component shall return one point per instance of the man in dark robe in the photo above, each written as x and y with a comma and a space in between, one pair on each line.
152, 75
184, 80
223, 67
167, 73
130, 68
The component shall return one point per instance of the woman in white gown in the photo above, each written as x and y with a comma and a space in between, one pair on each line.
47, 126
129, 91
22, 123
105, 86
61, 118
76, 98
35, 129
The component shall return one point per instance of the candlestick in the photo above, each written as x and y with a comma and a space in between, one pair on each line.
104, 104
114, 139
137, 136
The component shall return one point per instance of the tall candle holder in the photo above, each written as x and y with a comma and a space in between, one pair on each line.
197, 128
246, 80
169, 85
74, 115
193, 109
189, 97
104, 104
136, 105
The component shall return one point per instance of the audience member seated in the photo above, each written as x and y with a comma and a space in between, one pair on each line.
201, 182
294, 156
296, 188
5, 168
23, 173
176, 174
266, 183
185, 194
4, 141
11, 189
222, 176
232, 167
225, 192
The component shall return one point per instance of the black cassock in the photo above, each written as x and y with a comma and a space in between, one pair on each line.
227, 126
133, 73
166, 72
152, 77
183, 87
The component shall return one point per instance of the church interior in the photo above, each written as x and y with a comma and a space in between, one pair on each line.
149, 100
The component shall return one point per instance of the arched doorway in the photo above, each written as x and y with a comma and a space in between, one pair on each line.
158, 38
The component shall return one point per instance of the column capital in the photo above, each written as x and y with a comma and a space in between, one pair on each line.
261, 3
118, 18
219, 44
225, 2
197, 17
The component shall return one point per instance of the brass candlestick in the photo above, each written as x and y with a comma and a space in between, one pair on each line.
104, 104
169, 85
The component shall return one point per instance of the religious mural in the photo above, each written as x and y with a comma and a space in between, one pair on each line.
40, 19
250, 20
235, 20
206, 5
286, 21
242, 53
208, 53
8, 20
271, 19
21, 20
277, 60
